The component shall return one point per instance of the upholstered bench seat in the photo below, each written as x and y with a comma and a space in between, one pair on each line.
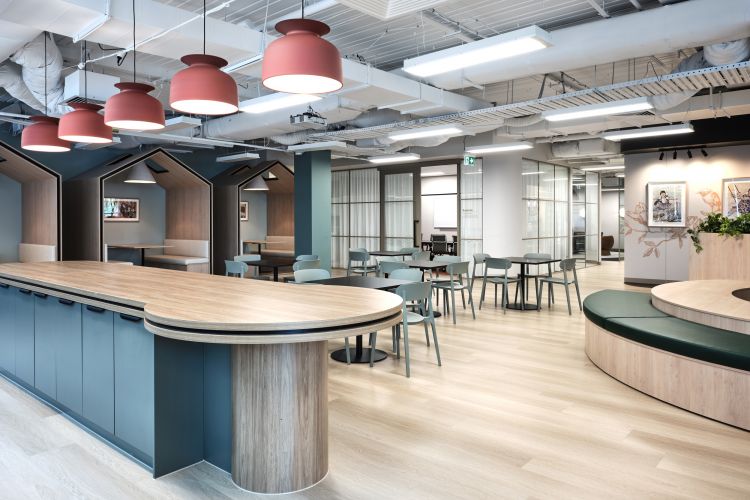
631, 315
183, 255
182, 260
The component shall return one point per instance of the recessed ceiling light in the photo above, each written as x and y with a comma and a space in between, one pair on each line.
427, 132
273, 102
395, 158
499, 148
594, 110
237, 157
637, 133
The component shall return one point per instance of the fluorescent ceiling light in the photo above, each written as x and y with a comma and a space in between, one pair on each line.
594, 110
179, 123
636, 133
317, 146
601, 169
396, 158
471, 54
432, 174
426, 132
499, 148
242, 64
273, 102
238, 157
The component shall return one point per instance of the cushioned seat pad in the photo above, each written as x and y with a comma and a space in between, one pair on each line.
600, 306
688, 339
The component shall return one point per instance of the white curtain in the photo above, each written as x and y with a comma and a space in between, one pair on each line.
355, 212
471, 210
399, 211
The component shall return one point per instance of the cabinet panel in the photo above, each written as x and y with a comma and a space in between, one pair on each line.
99, 367
68, 356
7, 337
134, 383
46, 327
24, 334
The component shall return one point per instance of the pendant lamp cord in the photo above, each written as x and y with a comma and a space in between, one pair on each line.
46, 113
134, 72
204, 27
303, 9
85, 75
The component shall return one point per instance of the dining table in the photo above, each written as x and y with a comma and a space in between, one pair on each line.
139, 247
524, 262
361, 354
390, 253
273, 263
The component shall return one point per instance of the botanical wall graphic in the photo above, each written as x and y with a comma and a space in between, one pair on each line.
636, 222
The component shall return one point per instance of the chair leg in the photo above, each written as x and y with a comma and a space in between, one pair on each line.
539, 296
348, 355
578, 294
426, 334
463, 298
481, 296
398, 341
496, 296
473, 313
504, 299
567, 296
393, 338
406, 348
435, 340
373, 343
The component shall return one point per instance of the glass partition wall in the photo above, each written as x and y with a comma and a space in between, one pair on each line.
470, 222
355, 212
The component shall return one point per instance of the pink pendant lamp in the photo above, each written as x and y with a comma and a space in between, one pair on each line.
84, 123
133, 108
41, 135
301, 62
202, 88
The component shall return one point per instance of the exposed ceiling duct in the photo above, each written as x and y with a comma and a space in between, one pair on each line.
641, 34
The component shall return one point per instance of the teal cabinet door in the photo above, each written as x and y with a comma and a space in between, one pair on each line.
24, 334
69, 362
134, 384
7, 336
99, 367
46, 327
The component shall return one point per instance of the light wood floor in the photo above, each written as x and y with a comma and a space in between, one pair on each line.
516, 411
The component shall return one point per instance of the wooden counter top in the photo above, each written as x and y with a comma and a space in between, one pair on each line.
709, 302
207, 308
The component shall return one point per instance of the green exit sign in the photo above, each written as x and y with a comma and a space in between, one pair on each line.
469, 160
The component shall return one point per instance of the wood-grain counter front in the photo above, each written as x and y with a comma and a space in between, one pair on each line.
174, 368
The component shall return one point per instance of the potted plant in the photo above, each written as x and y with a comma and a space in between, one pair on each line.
722, 248
722, 225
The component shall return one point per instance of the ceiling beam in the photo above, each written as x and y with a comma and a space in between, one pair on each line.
460, 31
637, 4
598, 8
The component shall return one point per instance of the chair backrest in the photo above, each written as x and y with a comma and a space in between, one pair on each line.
437, 237
358, 255
568, 264
406, 274
305, 275
496, 263
306, 264
440, 246
411, 250
307, 257
479, 258
421, 255
447, 258
247, 258
387, 267
414, 291
457, 269
537, 256
234, 268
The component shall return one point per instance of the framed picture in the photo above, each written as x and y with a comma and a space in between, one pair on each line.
244, 215
736, 196
666, 203
122, 210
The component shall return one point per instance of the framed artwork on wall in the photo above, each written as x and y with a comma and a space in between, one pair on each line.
244, 211
736, 196
666, 202
122, 210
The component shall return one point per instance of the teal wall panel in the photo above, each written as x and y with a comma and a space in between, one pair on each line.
217, 405
312, 205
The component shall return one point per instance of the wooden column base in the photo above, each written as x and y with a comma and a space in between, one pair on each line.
280, 416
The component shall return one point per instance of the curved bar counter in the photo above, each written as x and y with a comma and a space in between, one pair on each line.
175, 368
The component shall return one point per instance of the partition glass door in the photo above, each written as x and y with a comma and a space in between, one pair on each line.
398, 209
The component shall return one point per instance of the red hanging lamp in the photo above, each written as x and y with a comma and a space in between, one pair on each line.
133, 108
41, 135
301, 62
84, 123
202, 88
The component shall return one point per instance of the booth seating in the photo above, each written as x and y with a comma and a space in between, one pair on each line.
183, 255
279, 246
30, 252
700, 368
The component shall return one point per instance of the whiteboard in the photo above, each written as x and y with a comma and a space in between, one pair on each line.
445, 210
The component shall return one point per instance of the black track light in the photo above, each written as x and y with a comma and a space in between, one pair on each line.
704, 152
674, 154
661, 156
690, 154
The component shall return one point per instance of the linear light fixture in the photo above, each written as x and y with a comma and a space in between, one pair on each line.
250, 61
637, 133
433, 174
602, 169
490, 49
425, 132
594, 110
395, 158
499, 148
238, 157
316, 146
276, 101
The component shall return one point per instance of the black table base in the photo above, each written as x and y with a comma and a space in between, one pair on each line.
522, 307
362, 356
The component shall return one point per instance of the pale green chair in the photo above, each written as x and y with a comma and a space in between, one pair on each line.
252, 258
566, 266
307, 257
305, 275
300, 265
359, 263
421, 255
235, 269
385, 268
455, 282
502, 279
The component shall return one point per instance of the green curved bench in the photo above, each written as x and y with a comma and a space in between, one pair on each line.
630, 315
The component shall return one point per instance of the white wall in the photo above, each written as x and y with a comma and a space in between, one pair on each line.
431, 186
704, 189
502, 218
255, 228
10, 219
610, 214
